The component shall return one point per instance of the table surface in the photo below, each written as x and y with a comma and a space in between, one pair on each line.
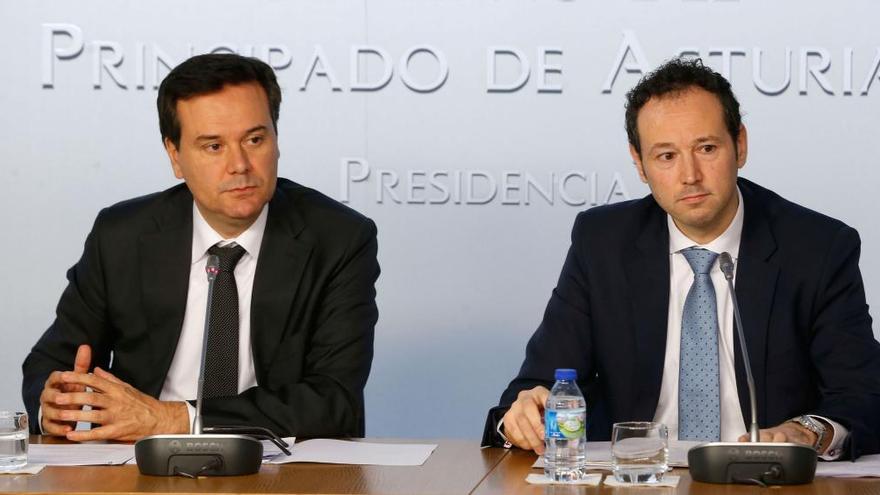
508, 477
456, 466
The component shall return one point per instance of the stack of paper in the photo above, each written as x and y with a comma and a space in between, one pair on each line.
80, 454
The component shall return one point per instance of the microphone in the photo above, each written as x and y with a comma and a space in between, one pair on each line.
755, 462
199, 454
212, 268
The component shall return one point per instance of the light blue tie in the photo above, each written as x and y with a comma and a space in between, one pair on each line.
699, 402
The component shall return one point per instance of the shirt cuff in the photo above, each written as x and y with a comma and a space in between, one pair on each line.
191, 411
40, 420
498, 429
834, 450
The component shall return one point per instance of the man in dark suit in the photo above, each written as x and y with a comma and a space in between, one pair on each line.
293, 308
621, 312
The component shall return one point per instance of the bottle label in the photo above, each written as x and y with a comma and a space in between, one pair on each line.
568, 423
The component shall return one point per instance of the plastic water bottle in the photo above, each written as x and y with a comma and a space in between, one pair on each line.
565, 438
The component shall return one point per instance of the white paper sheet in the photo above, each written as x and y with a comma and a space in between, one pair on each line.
867, 466
348, 452
669, 481
599, 455
271, 450
80, 454
28, 468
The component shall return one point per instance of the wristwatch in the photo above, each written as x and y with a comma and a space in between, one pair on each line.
811, 424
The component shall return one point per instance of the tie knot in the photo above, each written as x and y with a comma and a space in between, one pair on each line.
700, 259
229, 256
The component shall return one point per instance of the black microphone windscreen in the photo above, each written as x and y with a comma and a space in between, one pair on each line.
725, 262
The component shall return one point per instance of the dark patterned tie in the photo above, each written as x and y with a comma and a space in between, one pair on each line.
699, 402
221, 361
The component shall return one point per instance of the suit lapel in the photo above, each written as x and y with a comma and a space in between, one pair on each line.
164, 257
280, 267
757, 272
647, 273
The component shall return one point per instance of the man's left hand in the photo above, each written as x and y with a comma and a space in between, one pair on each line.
788, 432
122, 411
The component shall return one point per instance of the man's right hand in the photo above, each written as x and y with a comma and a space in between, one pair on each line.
524, 421
54, 386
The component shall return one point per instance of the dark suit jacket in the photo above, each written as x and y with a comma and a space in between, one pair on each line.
312, 312
806, 323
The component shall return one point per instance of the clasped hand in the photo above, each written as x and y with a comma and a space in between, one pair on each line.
121, 411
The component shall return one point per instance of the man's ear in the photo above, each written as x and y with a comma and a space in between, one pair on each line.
637, 161
742, 147
171, 149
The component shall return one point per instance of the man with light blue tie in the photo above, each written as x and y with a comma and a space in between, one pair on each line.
643, 312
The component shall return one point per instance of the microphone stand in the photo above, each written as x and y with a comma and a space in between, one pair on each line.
199, 454
755, 462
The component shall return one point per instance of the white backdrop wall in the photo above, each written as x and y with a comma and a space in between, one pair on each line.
499, 121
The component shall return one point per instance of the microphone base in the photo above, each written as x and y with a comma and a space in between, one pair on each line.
198, 455
755, 463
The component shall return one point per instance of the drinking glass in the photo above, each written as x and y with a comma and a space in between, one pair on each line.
639, 452
13, 440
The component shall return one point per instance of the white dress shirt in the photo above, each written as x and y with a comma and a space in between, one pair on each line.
181, 383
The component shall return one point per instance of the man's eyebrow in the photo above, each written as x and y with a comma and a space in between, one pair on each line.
255, 129
212, 137
661, 145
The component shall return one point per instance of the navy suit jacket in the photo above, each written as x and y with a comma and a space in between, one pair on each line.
312, 311
805, 319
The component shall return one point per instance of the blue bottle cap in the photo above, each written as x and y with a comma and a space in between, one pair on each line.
566, 374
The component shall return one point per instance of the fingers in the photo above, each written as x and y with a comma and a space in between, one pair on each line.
55, 429
51, 422
51, 427
49, 393
52, 413
772, 435
532, 439
523, 423
54, 380
101, 433
533, 410
99, 416
89, 380
83, 359
83, 399
48, 398
108, 376
540, 394
512, 431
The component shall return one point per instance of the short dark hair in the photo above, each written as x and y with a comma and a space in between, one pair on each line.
675, 76
204, 74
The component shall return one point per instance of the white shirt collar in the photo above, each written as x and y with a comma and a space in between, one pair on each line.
728, 241
204, 236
